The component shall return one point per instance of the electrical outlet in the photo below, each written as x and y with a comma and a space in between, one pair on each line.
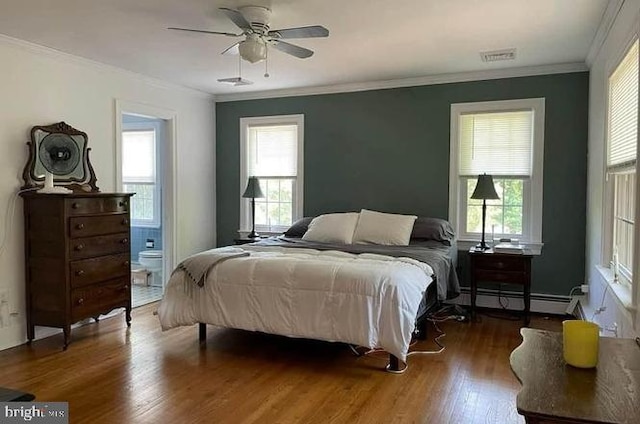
584, 288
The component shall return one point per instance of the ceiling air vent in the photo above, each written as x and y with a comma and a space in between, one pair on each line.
494, 56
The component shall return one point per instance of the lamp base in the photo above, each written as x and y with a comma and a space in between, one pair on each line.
253, 235
482, 246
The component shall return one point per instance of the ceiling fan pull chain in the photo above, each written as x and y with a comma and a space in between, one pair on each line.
266, 64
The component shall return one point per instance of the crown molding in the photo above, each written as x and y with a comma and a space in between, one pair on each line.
408, 82
608, 18
67, 57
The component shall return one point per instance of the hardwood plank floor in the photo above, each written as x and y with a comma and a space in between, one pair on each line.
111, 374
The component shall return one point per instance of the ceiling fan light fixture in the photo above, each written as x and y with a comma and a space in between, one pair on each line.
253, 49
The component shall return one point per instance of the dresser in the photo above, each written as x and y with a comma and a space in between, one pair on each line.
77, 258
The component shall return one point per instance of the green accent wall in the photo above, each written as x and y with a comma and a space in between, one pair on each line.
388, 150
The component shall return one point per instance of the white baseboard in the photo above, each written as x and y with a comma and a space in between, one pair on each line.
542, 303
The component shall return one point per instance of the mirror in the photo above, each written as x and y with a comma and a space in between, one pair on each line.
61, 151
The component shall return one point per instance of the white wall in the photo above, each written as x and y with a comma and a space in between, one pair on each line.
40, 86
623, 27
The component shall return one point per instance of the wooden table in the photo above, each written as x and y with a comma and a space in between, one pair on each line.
554, 392
501, 268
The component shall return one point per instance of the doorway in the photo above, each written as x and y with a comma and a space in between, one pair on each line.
144, 153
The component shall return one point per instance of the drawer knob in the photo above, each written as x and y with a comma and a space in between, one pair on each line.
124, 241
75, 205
125, 287
125, 263
80, 226
80, 247
80, 272
80, 301
125, 221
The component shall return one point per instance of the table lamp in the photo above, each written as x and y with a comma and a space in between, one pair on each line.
253, 192
484, 190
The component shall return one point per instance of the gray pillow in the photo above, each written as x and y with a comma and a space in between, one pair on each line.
299, 227
426, 228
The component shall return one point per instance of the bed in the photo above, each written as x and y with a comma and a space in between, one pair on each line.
361, 294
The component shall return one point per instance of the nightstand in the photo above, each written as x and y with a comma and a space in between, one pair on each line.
246, 240
506, 268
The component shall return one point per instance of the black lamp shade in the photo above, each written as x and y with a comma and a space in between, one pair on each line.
253, 190
485, 188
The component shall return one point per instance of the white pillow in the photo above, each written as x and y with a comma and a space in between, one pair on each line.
332, 228
383, 228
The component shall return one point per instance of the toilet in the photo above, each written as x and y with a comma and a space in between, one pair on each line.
152, 261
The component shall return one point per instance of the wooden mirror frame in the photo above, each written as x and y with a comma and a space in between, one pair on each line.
31, 180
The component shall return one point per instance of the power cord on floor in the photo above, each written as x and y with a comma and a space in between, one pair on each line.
437, 340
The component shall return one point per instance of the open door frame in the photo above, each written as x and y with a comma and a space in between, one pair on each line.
169, 204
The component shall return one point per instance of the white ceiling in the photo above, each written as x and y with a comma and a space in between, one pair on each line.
370, 40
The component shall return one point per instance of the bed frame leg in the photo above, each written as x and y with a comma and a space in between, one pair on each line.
394, 363
202, 332
421, 329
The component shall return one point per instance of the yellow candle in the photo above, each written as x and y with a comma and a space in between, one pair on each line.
580, 343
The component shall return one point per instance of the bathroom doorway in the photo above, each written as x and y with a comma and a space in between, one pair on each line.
142, 141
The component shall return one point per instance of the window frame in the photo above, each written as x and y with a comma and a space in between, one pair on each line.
628, 282
156, 222
298, 180
533, 187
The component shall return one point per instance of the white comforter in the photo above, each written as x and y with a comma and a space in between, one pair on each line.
367, 299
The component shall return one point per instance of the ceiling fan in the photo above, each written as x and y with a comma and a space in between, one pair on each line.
254, 23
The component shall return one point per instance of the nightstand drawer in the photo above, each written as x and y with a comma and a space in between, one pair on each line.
511, 277
500, 262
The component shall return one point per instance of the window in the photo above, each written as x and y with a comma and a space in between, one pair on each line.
622, 141
504, 139
271, 149
139, 172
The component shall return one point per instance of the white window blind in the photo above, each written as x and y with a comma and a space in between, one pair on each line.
273, 151
138, 156
499, 143
623, 111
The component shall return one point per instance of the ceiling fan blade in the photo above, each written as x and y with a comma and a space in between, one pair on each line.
292, 49
228, 34
233, 49
237, 18
301, 32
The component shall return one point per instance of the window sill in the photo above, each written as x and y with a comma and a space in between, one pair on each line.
531, 248
622, 293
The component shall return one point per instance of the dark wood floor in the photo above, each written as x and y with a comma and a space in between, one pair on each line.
111, 374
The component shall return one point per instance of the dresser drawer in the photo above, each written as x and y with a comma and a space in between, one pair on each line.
88, 271
95, 299
500, 262
512, 277
86, 226
89, 247
94, 205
